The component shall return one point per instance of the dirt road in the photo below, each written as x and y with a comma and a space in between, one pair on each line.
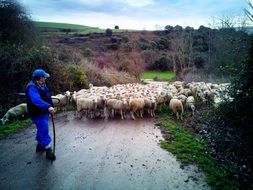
95, 154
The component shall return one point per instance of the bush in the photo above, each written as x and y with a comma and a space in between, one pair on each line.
199, 61
100, 77
16, 28
116, 40
163, 64
234, 134
76, 76
87, 52
113, 46
108, 32
17, 65
125, 39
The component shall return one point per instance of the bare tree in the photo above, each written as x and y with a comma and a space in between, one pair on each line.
249, 13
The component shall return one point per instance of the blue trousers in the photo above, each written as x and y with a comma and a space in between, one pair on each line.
42, 135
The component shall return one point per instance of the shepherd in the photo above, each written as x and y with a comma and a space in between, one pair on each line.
40, 106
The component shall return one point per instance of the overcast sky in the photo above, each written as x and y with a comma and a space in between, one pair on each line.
133, 14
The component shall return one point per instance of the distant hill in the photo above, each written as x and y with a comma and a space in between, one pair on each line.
62, 26
65, 27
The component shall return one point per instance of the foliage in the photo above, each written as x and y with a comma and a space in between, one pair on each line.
190, 148
88, 52
163, 64
145, 44
9, 128
168, 28
16, 28
199, 60
76, 77
108, 32
125, 39
100, 77
232, 136
241, 107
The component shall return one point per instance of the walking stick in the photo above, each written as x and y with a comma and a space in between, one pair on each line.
52, 117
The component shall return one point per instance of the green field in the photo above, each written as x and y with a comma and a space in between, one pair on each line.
81, 29
158, 75
62, 26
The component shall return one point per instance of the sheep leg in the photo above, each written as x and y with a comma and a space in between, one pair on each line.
112, 112
132, 115
181, 116
79, 115
177, 116
141, 113
150, 112
105, 113
121, 113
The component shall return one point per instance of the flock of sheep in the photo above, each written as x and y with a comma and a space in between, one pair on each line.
138, 99
134, 99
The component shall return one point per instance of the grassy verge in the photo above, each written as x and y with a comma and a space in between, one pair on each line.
191, 149
8, 128
158, 75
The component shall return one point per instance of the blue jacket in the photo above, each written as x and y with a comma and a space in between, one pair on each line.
38, 99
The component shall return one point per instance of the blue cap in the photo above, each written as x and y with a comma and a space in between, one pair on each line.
40, 73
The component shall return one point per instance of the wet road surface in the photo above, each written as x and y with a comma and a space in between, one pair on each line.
95, 154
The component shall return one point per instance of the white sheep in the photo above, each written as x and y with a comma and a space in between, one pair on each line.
86, 104
190, 103
101, 103
113, 105
209, 97
150, 105
136, 105
177, 107
61, 101
15, 113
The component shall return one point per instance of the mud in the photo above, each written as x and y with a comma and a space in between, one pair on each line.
95, 154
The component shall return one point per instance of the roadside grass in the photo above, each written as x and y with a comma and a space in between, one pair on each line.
158, 75
189, 148
11, 127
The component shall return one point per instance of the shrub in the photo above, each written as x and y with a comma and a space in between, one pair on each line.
108, 32
113, 46
125, 39
163, 64
87, 52
199, 61
16, 27
101, 77
76, 76
116, 40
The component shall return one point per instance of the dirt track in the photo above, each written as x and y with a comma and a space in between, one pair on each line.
95, 154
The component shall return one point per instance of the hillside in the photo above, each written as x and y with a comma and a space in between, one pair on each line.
201, 54
70, 28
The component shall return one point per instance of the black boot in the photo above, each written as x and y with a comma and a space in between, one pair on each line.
49, 154
40, 148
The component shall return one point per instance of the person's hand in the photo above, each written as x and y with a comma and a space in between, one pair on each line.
51, 110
